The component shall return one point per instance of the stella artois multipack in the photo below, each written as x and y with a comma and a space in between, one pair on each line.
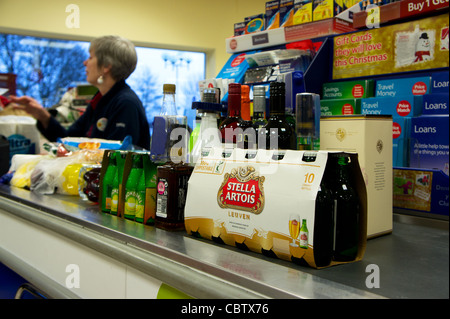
267, 202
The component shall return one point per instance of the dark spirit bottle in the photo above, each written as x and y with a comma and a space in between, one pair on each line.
278, 133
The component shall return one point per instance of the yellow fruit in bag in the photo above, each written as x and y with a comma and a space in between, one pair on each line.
70, 174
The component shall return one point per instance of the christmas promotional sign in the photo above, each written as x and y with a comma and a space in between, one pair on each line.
281, 206
416, 45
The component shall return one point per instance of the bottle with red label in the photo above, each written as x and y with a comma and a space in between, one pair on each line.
233, 123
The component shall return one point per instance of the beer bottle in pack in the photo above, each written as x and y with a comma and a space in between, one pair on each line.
346, 211
323, 217
323, 226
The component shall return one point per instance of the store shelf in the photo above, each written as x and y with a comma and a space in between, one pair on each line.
279, 36
401, 10
203, 269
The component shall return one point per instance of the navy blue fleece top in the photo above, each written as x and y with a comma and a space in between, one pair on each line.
114, 116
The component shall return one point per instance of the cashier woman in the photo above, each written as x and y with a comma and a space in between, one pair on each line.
115, 111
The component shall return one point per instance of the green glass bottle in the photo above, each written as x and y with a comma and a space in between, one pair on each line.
278, 133
115, 194
323, 226
304, 235
140, 199
108, 182
346, 211
131, 187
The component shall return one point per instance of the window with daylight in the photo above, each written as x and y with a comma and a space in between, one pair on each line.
46, 68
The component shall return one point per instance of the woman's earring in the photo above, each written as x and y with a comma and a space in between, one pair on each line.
100, 79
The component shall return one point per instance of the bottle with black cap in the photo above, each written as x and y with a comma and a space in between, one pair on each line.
277, 133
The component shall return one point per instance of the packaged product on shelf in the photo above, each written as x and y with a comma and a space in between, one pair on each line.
326, 9
435, 103
239, 29
286, 13
303, 12
402, 109
401, 134
371, 137
253, 203
401, 105
440, 82
234, 70
430, 142
254, 23
340, 107
272, 16
404, 86
348, 89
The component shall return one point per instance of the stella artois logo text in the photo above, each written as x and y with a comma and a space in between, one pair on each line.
242, 189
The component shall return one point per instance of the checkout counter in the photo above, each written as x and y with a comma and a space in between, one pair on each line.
67, 248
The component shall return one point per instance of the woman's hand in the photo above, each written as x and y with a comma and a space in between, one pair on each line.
32, 107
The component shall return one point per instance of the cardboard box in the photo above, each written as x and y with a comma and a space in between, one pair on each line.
235, 68
340, 107
370, 137
401, 128
124, 163
286, 13
248, 202
404, 87
326, 9
430, 142
239, 28
408, 105
272, 16
303, 11
254, 23
348, 89
421, 190
435, 104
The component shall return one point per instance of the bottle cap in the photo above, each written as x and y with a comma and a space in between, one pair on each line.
234, 88
277, 88
259, 98
245, 90
169, 88
211, 95
259, 90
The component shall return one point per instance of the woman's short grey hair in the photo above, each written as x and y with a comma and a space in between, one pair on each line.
117, 52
